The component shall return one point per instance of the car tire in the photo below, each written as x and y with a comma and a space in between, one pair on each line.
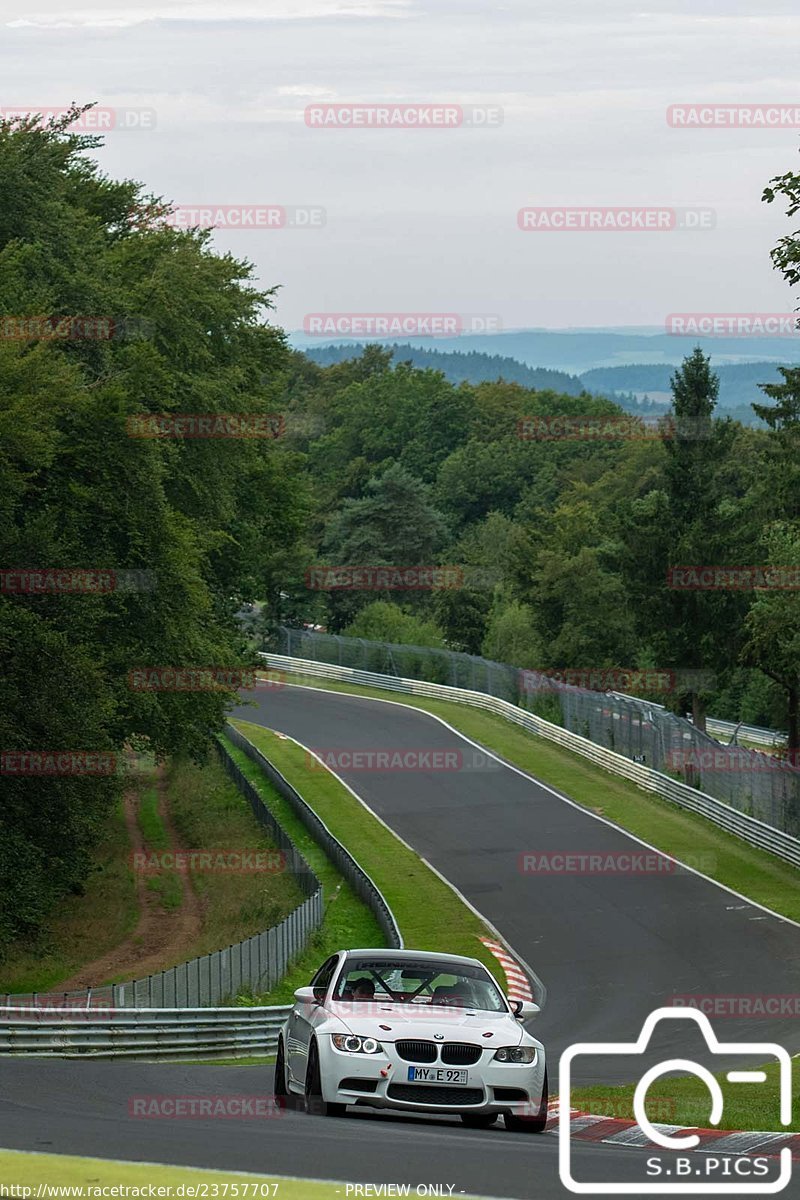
315, 1105
283, 1097
479, 1120
280, 1087
535, 1124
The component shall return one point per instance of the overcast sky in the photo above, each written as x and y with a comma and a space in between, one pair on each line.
426, 220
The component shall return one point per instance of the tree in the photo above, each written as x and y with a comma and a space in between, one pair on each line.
395, 524
202, 522
782, 478
382, 621
773, 622
773, 625
698, 629
512, 637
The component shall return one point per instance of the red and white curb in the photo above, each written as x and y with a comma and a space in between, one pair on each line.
614, 1131
519, 987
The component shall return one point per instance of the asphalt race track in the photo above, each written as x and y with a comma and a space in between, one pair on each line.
64, 1107
608, 948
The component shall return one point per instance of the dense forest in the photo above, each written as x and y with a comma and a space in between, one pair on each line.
571, 537
364, 462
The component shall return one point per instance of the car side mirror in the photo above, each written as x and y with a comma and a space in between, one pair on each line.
309, 995
524, 1009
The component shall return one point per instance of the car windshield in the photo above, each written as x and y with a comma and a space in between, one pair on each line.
404, 981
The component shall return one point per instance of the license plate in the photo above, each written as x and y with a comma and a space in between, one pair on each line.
436, 1075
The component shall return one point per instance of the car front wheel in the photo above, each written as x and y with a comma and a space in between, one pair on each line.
314, 1101
535, 1124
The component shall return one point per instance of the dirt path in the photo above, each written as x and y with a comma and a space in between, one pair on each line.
161, 937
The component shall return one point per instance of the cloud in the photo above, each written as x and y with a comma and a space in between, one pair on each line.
307, 90
426, 221
105, 15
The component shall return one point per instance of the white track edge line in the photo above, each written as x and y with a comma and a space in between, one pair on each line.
492, 928
553, 792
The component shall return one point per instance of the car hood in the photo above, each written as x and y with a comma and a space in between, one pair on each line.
417, 1022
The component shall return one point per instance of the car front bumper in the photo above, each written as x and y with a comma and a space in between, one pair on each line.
381, 1081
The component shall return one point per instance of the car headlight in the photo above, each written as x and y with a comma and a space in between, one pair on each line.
353, 1044
516, 1054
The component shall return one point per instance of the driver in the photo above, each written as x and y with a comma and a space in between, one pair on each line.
363, 989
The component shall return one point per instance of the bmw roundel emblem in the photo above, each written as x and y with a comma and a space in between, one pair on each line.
438, 1037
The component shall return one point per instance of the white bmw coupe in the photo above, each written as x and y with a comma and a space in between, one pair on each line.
415, 1032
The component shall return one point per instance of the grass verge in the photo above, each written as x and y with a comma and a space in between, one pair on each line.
685, 1101
207, 812
19, 1170
689, 838
348, 921
210, 813
424, 906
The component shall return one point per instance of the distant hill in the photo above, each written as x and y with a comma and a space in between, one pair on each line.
577, 350
458, 367
738, 383
626, 385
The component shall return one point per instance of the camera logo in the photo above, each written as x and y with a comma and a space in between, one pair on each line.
671, 1140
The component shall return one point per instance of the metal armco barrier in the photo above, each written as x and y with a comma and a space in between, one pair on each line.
759, 785
757, 833
336, 852
105, 1022
140, 1033
751, 733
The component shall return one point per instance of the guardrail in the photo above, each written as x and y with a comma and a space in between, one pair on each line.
751, 830
336, 852
751, 733
140, 1033
717, 727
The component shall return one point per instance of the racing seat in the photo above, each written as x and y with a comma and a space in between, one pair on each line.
449, 995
